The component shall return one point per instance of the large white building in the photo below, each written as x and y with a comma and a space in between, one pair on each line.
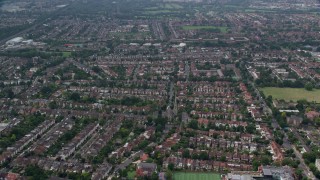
318, 164
14, 41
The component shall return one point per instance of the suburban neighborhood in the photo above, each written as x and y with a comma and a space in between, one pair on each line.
160, 89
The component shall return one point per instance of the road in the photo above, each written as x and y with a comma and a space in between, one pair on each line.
301, 140
266, 109
303, 166
286, 144
170, 95
128, 161
187, 70
176, 35
135, 72
162, 35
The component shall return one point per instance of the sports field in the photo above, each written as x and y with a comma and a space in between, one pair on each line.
222, 29
293, 94
172, 6
168, 6
66, 54
195, 176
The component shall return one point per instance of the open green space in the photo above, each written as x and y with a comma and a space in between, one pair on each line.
66, 54
195, 176
158, 12
131, 174
231, 6
130, 35
259, 10
172, 6
293, 94
151, 8
166, 6
222, 29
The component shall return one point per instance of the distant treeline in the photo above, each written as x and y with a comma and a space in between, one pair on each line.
9, 31
29, 53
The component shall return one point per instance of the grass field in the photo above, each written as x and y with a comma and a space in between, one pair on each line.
195, 176
131, 174
172, 6
130, 35
66, 54
166, 6
259, 10
159, 12
222, 29
293, 94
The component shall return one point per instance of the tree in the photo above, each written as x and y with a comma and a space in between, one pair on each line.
96, 69
250, 128
289, 162
75, 96
255, 164
143, 144
203, 155
85, 176
9, 94
299, 173
154, 176
123, 173
124, 132
148, 150
223, 159
171, 166
186, 153
169, 175
13, 137
53, 105
195, 156
35, 172
193, 124
309, 157
317, 121
312, 167
265, 160
308, 86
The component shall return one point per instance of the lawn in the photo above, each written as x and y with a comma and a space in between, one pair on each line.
293, 94
222, 29
166, 6
66, 54
259, 10
131, 174
195, 176
159, 12
130, 35
172, 6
